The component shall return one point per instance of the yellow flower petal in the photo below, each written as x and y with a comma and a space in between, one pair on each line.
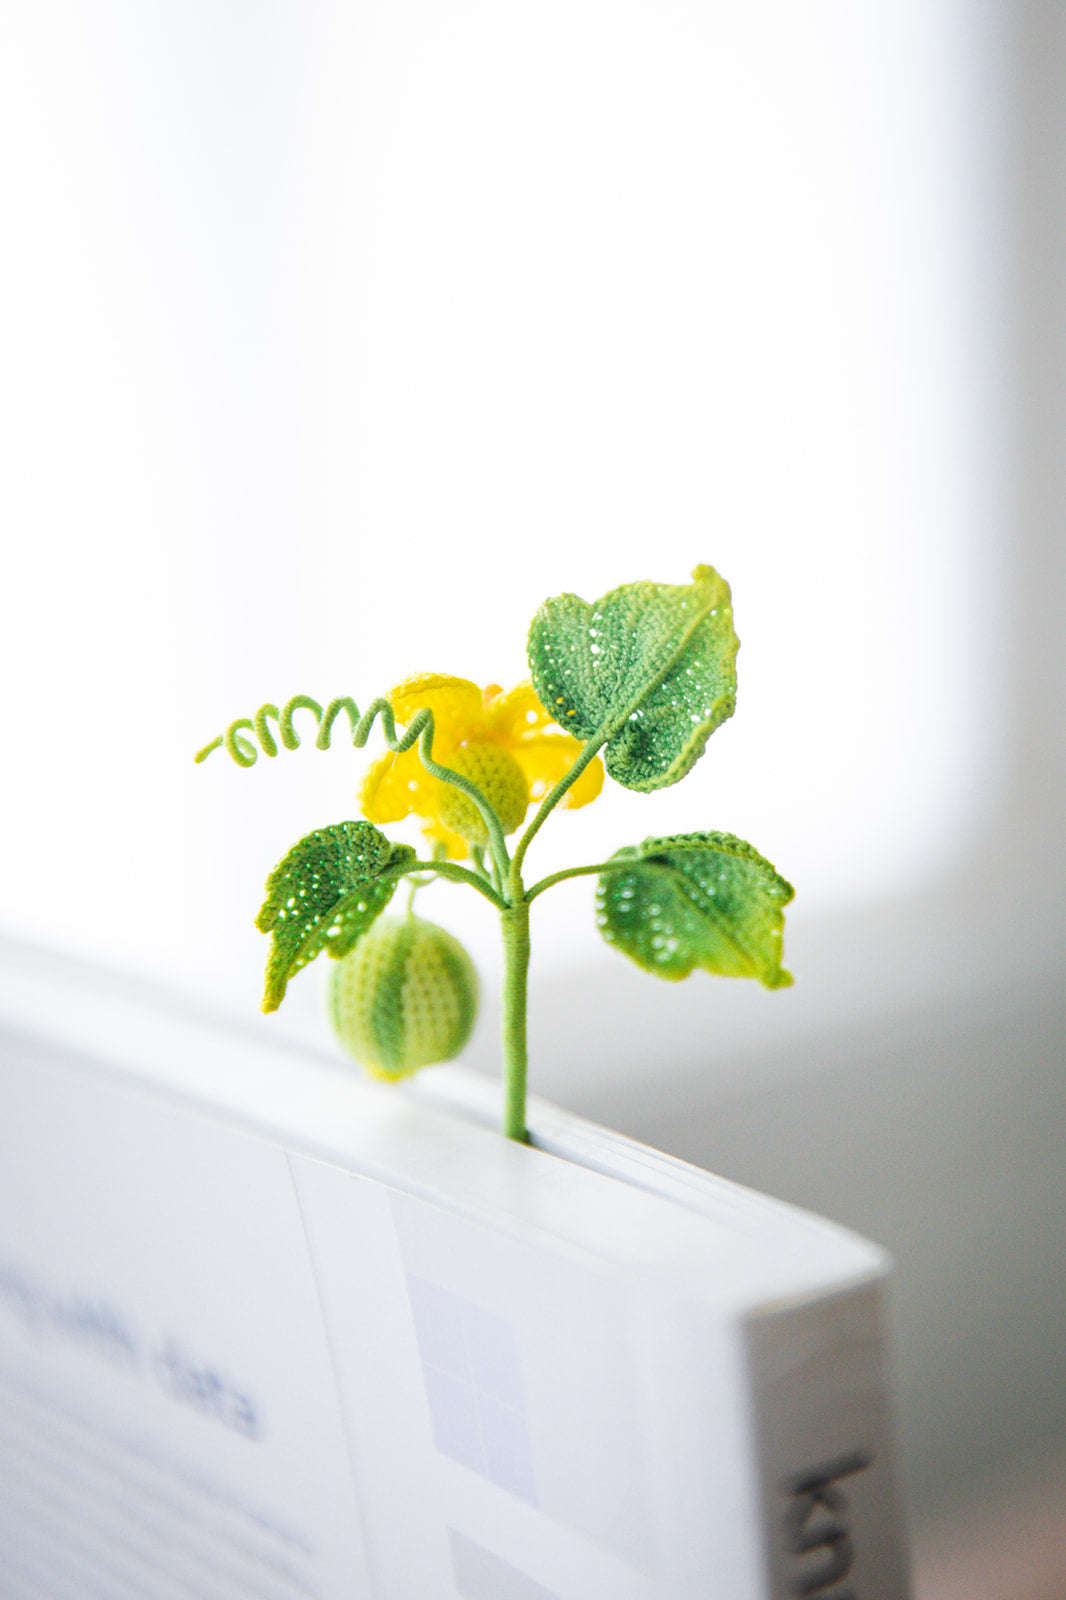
512, 716
547, 757
468, 718
395, 786
585, 788
458, 849
456, 705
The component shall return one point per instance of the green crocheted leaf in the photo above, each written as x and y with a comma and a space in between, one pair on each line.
650, 669
696, 900
323, 896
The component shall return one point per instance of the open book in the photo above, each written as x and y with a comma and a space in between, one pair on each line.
269, 1332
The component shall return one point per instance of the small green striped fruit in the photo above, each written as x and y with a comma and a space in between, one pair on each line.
406, 996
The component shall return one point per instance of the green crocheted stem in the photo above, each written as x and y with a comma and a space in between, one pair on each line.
497, 848
571, 872
457, 874
515, 924
551, 800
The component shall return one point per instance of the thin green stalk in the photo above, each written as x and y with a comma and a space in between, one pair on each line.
514, 921
551, 800
488, 874
449, 869
497, 848
577, 872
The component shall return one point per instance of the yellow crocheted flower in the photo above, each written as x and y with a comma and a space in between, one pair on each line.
502, 742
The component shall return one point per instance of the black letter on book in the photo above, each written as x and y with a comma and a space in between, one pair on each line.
816, 1520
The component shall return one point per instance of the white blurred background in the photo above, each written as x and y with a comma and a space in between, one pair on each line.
338, 336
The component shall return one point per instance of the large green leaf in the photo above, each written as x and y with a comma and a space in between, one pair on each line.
323, 896
650, 670
696, 900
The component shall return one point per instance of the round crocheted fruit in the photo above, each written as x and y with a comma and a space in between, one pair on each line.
406, 996
494, 771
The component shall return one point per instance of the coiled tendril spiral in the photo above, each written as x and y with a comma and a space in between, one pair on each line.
245, 753
418, 731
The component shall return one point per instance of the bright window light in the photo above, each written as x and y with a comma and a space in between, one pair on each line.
338, 336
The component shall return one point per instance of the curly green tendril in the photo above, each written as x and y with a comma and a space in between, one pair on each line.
419, 731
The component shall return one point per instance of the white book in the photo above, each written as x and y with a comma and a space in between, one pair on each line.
269, 1331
